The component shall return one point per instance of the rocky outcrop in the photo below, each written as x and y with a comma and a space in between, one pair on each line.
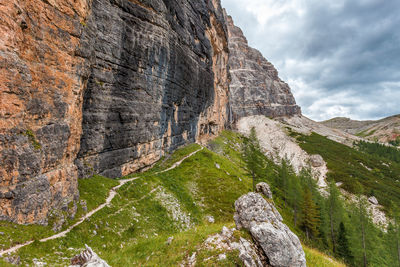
316, 160
105, 87
255, 88
373, 200
88, 258
280, 245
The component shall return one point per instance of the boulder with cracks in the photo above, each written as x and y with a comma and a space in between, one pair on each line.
279, 244
88, 258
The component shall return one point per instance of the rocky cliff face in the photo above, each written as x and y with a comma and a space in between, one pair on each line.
108, 86
41, 84
102, 86
255, 88
158, 79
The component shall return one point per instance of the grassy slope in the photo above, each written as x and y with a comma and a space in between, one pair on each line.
348, 165
316, 258
94, 191
133, 230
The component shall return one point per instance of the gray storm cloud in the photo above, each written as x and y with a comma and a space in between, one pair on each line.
341, 58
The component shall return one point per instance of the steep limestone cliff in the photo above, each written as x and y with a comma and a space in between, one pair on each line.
40, 106
256, 88
158, 79
102, 86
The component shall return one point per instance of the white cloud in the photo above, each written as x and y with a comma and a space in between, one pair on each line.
341, 58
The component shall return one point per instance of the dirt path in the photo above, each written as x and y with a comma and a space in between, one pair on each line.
110, 197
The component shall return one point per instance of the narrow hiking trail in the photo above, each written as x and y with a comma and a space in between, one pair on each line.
111, 195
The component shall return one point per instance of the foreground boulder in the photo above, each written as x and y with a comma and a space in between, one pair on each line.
281, 246
88, 258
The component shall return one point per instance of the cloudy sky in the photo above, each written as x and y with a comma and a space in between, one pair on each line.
340, 57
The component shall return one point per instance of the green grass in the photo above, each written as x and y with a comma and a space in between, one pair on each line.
95, 190
134, 228
5, 264
318, 259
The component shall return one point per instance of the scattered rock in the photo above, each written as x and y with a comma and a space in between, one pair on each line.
222, 257
247, 251
38, 263
1, 233
191, 261
83, 205
280, 245
339, 184
373, 200
94, 232
171, 203
316, 160
15, 260
264, 189
210, 219
88, 258
217, 166
169, 240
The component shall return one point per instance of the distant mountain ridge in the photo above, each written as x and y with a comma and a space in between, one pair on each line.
383, 130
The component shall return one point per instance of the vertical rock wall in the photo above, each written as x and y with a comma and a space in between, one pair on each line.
158, 80
41, 86
256, 88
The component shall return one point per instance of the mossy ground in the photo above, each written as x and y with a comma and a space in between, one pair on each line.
134, 228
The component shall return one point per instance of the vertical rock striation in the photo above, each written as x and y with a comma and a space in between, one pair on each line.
158, 79
255, 88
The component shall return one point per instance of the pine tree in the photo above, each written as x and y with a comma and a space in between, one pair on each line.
252, 155
284, 179
294, 196
363, 223
334, 212
343, 250
393, 237
310, 218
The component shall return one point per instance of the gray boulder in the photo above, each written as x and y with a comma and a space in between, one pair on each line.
264, 189
373, 200
316, 160
277, 241
88, 258
225, 241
